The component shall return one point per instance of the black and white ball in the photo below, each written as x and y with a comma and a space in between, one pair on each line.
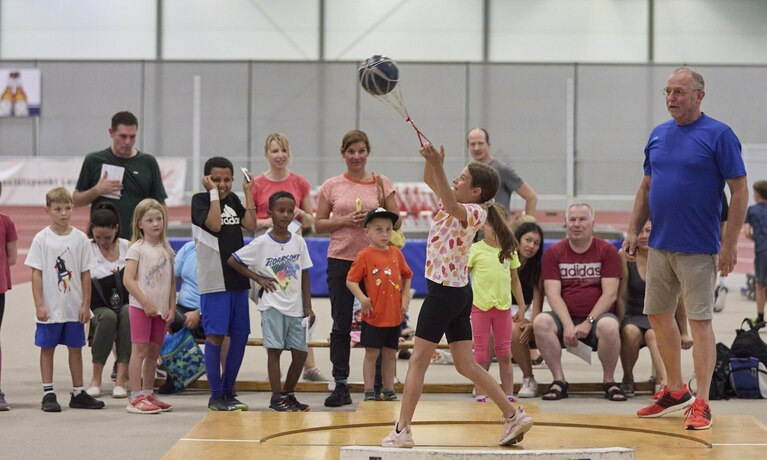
378, 75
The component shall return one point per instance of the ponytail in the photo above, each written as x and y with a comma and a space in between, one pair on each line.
496, 217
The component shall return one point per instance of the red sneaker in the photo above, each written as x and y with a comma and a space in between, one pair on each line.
665, 403
141, 405
163, 406
698, 416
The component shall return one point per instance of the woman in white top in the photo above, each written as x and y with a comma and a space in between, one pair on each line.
109, 299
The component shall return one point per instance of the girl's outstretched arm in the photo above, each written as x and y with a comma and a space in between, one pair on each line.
437, 181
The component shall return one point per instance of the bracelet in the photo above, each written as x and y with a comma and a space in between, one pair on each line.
214, 194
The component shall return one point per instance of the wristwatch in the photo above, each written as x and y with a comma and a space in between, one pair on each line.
591, 319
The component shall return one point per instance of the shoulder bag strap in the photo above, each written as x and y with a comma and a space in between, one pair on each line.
380, 190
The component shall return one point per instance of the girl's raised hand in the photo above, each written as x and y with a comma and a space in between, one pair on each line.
430, 153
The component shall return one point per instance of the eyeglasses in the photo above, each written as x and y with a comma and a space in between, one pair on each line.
677, 92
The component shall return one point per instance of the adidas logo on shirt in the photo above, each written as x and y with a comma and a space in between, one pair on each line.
229, 217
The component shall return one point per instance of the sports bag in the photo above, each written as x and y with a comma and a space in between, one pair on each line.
748, 377
747, 343
183, 359
721, 388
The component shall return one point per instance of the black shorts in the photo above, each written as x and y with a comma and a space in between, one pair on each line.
445, 311
591, 339
379, 337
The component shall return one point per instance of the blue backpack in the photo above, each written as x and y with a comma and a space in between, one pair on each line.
183, 358
748, 378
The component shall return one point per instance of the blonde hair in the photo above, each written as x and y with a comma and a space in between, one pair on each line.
280, 139
519, 220
144, 206
58, 195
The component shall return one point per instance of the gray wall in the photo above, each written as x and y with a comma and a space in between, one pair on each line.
523, 106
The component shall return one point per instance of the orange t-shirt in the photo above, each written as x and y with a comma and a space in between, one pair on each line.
383, 272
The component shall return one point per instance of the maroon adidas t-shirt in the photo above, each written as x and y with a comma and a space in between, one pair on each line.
581, 274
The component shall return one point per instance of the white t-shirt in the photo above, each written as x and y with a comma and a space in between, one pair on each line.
103, 267
282, 261
154, 275
62, 259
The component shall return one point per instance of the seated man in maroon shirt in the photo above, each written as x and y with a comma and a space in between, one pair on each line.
580, 276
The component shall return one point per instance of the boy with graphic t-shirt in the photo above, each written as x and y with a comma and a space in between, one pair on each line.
61, 259
387, 282
217, 216
279, 262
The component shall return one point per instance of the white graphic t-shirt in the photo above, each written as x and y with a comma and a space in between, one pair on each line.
283, 261
61, 259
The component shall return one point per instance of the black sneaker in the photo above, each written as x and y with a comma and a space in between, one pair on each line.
282, 404
85, 401
49, 403
339, 397
372, 396
232, 398
221, 404
389, 395
299, 406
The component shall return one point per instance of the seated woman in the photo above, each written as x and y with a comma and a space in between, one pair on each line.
530, 238
188, 298
636, 331
109, 299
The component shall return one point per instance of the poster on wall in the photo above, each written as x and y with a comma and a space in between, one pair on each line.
20, 92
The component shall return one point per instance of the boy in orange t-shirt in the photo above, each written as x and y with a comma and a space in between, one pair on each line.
387, 284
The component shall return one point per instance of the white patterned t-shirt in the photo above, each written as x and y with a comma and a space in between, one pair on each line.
448, 245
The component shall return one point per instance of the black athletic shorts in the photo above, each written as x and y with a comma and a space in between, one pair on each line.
379, 337
445, 311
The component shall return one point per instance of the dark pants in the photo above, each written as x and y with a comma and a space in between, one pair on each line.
341, 304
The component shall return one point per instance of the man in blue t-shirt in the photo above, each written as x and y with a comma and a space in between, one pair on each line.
688, 160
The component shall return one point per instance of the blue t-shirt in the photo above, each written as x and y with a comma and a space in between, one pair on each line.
689, 166
185, 268
756, 217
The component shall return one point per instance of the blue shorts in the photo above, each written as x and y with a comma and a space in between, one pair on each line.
71, 334
282, 332
225, 313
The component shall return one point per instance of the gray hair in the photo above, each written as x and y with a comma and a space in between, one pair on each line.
578, 205
697, 78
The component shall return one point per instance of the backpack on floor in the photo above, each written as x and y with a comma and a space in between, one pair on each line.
721, 388
183, 359
748, 343
748, 377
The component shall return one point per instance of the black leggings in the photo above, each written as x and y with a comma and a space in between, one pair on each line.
341, 305
2, 308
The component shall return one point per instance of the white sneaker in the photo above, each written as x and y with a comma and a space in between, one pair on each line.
119, 392
403, 439
515, 427
94, 392
529, 388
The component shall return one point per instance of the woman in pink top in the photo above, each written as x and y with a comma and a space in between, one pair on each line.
279, 178
348, 197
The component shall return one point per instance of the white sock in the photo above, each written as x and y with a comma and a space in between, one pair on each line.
76, 391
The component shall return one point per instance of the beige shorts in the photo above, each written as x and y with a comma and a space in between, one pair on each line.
671, 273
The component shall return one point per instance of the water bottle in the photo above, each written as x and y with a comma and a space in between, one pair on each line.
115, 301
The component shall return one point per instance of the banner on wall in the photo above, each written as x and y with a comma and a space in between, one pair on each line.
26, 180
20, 95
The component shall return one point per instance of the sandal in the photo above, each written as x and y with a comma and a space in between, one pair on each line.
613, 391
555, 394
628, 387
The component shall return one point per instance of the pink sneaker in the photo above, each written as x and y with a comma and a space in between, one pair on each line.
515, 427
403, 439
165, 407
141, 405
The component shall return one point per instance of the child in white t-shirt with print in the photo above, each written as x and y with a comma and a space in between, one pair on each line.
280, 264
60, 257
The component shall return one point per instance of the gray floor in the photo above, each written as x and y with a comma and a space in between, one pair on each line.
26, 432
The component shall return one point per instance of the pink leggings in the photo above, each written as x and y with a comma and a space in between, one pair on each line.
500, 321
